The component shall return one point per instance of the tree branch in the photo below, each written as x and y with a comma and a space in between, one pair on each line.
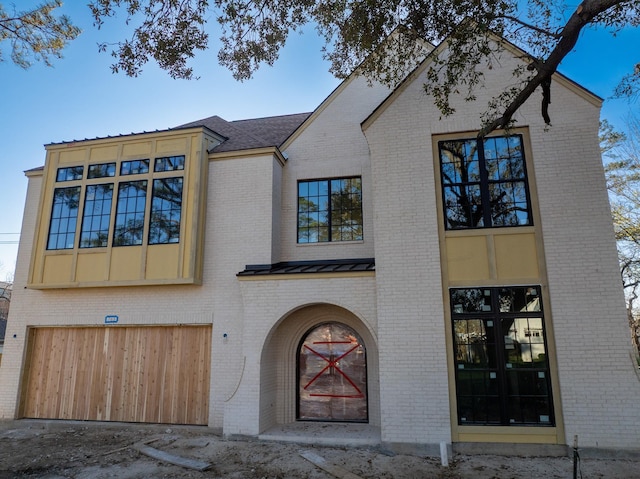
583, 15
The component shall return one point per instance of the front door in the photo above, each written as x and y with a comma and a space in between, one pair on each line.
332, 375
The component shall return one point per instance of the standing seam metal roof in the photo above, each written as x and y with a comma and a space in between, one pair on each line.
307, 267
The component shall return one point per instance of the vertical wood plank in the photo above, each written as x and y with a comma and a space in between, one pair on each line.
134, 374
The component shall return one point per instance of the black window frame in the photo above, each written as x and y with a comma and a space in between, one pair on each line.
100, 210
165, 210
334, 232
481, 216
61, 199
69, 173
130, 207
90, 217
485, 382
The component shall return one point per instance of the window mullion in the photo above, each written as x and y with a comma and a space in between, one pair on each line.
484, 186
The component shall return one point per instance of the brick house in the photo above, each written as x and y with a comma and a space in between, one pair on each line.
366, 265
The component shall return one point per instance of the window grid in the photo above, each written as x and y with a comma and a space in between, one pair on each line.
502, 371
330, 210
71, 173
130, 212
96, 216
64, 218
102, 170
484, 184
169, 163
166, 210
134, 167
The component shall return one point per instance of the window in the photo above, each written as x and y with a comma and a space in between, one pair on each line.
69, 174
96, 216
132, 215
134, 167
330, 210
169, 163
103, 170
132, 200
484, 183
332, 375
64, 217
166, 208
500, 355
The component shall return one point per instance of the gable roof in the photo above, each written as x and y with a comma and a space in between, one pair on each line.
508, 46
252, 133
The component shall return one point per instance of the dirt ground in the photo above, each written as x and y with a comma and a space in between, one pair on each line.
54, 450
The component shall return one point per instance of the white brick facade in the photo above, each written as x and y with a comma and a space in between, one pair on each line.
400, 312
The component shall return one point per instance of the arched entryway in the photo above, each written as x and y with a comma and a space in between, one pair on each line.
332, 375
280, 367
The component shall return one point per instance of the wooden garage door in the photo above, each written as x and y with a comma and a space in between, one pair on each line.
134, 374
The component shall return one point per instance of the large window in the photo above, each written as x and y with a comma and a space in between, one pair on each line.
166, 210
130, 179
132, 201
97, 215
330, 210
484, 183
500, 356
64, 218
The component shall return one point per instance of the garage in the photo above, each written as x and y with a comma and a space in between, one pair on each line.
149, 374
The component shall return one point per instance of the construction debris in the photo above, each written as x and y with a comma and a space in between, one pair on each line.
332, 469
171, 459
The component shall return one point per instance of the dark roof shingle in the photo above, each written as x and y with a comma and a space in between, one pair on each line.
252, 133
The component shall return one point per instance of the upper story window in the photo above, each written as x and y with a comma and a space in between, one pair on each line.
139, 212
330, 210
96, 218
134, 167
69, 174
484, 183
64, 217
169, 163
102, 170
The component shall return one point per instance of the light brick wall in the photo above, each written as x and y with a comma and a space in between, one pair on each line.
598, 387
11, 366
332, 146
266, 305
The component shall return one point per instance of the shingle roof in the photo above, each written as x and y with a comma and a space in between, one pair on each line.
306, 267
253, 133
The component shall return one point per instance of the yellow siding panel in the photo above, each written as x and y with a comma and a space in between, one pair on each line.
142, 148
72, 156
91, 266
516, 256
515, 435
115, 266
171, 145
57, 268
104, 153
162, 261
125, 263
468, 258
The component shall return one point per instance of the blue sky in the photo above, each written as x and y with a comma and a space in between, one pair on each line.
80, 98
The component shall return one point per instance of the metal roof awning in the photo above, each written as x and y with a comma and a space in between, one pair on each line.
308, 267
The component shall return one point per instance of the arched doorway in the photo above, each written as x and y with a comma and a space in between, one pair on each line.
332, 375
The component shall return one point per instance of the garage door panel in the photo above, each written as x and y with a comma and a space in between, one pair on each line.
132, 374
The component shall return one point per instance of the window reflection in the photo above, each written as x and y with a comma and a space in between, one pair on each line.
502, 370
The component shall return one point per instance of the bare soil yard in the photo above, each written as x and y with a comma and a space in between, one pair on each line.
54, 450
